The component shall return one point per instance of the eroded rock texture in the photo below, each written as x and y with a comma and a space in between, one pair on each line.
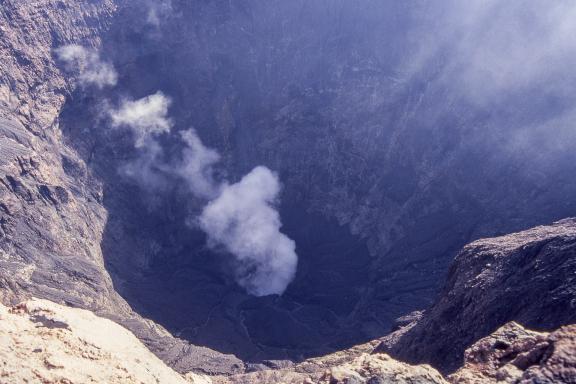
514, 354
528, 277
51, 221
51, 213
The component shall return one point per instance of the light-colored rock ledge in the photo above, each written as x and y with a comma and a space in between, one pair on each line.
43, 342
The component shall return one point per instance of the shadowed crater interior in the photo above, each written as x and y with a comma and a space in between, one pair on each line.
387, 167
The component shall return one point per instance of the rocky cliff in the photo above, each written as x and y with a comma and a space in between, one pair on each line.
52, 217
528, 277
473, 329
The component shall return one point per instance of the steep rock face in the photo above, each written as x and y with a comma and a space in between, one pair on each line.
43, 342
51, 214
528, 277
51, 222
513, 354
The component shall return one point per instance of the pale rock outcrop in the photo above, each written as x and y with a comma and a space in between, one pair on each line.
516, 355
43, 342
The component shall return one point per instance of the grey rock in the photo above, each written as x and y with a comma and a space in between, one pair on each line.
51, 216
528, 277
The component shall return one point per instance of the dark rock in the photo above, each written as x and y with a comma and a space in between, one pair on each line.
48, 323
50, 224
528, 277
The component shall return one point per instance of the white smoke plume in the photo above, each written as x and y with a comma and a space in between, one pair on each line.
92, 70
241, 217
146, 169
197, 166
245, 221
145, 117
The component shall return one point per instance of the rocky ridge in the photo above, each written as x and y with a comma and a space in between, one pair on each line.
528, 277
